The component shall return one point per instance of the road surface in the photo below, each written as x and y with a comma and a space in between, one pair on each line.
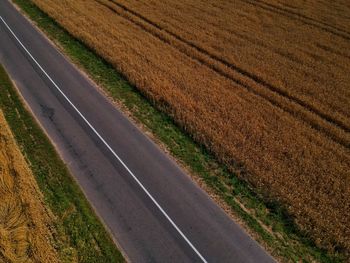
152, 208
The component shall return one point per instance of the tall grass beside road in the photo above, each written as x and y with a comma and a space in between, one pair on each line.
26, 224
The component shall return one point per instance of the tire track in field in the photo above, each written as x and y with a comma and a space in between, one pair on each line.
332, 50
300, 17
217, 69
294, 106
243, 72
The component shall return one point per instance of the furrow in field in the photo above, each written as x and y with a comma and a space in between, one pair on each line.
298, 57
294, 15
287, 9
331, 50
226, 63
277, 97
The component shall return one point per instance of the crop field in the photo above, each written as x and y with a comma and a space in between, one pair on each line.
25, 222
263, 84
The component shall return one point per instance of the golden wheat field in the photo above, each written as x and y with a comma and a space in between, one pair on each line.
25, 233
263, 84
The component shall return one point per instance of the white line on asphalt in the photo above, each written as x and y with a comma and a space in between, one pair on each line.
107, 145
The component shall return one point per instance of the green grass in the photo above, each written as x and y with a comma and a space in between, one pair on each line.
78, 233
285, 241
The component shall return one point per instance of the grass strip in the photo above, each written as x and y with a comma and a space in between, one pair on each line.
267, 219
79, 235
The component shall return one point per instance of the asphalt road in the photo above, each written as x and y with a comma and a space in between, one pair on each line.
152, 208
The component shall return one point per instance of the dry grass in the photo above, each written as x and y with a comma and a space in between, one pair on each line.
25, 231
263, 84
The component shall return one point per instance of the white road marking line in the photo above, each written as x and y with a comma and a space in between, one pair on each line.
109, 147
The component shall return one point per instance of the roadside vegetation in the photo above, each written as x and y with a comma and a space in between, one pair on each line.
25, 222
197, 105
44, 216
